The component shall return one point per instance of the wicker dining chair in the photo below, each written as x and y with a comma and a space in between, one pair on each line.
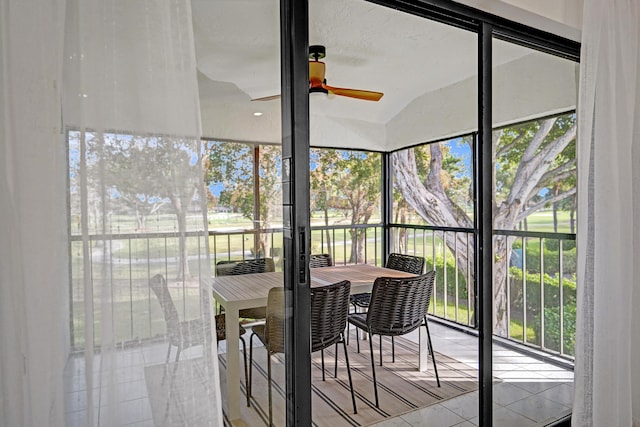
401, 262
320, 260
329, 311
398, 306
249, 266
271, 334
407, 263
188, 333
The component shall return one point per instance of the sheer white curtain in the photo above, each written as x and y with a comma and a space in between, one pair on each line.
140, 301
607, 379
33, 244
83, 334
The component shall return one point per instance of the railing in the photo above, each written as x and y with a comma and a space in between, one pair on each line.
449, 252
539, 305
537, 271
538, 275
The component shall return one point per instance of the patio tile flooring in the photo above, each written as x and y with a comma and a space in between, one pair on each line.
531, 393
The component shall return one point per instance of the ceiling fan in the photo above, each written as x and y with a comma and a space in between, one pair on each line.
318, 84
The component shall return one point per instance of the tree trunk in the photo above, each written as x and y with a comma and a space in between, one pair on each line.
326, 222
184, 272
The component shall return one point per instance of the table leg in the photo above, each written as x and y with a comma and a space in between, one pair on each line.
233, 364
423, 351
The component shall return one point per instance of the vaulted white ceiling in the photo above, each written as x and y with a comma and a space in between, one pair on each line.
426, 70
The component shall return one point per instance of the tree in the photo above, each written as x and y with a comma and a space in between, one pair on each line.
148, 171
231, 165
359, 185
322, 178
143, 196
529, 158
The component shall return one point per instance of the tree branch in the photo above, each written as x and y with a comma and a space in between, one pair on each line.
531, 209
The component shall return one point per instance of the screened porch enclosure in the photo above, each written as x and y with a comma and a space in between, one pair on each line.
165, 190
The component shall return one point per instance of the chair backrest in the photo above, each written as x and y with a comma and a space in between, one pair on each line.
159, 287
329, 310
398, 305
320, 260
224, 268
258, 265
275, 319
408, 263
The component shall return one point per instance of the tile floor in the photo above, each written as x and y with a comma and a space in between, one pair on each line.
531, 393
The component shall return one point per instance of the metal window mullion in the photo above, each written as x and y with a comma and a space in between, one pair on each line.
508, 287
467, 279
542, 331
455, 258
524, 289
561, 293
433, 257
445, 277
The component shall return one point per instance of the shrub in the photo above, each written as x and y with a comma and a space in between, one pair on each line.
551, 308
451, 272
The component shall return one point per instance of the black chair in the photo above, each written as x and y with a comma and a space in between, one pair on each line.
397, 307
320, 260
329, 311
188, 333
249, 266
401, 262
407, 263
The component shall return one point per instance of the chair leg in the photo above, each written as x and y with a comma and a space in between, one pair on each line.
373, 370
433, 353
393, 350
346, 357
166, 365
175, 364
246, 375
322, 359
380, 350
269, 379
335, 372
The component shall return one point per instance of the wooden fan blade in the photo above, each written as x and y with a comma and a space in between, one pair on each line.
366, 95
267, 98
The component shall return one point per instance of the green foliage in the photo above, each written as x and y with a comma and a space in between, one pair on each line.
550, 256
449, 271
551, 310
552, 329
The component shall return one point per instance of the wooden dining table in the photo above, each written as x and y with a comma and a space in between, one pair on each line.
235, 293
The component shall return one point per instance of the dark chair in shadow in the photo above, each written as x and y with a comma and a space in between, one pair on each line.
329, 311
271, 334
320, 261
249, 266
184, 334
401, 262
397, 307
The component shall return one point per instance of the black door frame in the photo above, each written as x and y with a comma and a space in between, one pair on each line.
294, 40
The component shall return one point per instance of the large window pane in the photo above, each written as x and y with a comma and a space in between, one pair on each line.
534, 98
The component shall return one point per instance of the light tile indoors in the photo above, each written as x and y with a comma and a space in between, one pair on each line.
530, 393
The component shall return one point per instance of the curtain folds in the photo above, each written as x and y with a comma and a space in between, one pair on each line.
607, 381
101, 189
33, 242
141, 309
